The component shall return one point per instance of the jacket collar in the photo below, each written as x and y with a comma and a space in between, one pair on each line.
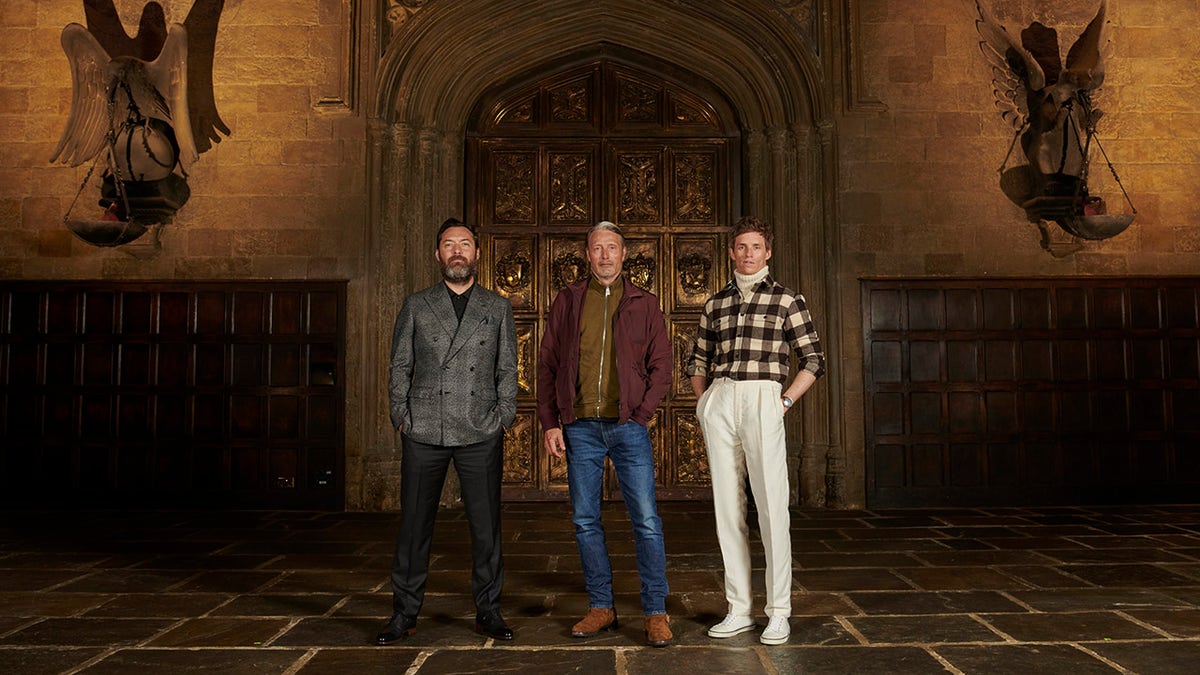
628, 289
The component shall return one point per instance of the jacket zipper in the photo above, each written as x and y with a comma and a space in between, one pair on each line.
603, 341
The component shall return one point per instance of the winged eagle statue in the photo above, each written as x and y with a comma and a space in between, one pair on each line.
143, 109
1052, 109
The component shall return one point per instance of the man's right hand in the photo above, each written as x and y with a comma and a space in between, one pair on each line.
554, 443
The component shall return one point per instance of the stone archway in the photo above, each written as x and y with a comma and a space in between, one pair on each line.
441, 61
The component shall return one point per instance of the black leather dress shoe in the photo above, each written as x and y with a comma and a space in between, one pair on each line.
492, 625
398, 627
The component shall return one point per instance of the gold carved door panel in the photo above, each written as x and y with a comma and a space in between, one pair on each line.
548, 160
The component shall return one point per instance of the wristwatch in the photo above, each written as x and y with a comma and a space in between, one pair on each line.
787, 401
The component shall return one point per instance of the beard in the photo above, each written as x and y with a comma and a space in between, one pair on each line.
458, 269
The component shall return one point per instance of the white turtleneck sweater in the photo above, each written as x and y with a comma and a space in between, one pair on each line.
747, 282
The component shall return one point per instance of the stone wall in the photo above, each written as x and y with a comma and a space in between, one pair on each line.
282, 197
285, 196
920, 192
920, 186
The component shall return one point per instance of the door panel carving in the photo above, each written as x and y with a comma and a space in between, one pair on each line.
694, 197
514, 196
637, 182
682, 331
519, 463
547, 160
514, 270
642, 263
571, 102
526, 359
571, 182
690, 456
637, 102
698, 264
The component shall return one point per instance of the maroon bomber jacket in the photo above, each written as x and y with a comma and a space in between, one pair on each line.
643, 356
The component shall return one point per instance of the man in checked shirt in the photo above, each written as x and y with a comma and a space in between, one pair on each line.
739, 368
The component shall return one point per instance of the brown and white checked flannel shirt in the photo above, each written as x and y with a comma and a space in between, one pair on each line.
752, 340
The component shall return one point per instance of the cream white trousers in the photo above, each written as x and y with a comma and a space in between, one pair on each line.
743, 429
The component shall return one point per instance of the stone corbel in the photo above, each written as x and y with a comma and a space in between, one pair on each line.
400, 11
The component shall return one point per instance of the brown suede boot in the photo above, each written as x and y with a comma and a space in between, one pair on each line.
596, 620
658, 630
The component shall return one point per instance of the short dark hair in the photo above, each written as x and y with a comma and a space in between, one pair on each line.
455, 222
752, 224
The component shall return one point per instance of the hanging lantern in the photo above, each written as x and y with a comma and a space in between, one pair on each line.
144, 150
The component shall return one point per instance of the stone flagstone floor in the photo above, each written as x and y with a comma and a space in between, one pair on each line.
985, 590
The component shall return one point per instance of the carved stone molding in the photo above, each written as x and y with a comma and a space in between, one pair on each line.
803, 13
342, 93
856, 99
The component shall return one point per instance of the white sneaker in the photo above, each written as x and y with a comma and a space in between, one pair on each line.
777, 631
731, 625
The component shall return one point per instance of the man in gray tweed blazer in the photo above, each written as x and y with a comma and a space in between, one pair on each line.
452, 392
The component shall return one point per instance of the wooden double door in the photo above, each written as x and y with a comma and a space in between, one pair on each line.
603, 141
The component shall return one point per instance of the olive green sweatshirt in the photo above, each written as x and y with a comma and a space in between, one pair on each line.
598, 392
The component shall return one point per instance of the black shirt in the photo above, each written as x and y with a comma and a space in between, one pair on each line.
460, 301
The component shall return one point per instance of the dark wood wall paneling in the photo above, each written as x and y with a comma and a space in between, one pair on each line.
146, 393
1033, 391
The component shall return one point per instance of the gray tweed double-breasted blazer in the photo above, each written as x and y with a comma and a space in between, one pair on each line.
453, 383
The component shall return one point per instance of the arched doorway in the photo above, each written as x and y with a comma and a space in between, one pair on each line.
426, 92
604, 138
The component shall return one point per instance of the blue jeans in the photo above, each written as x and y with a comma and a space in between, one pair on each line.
628, 445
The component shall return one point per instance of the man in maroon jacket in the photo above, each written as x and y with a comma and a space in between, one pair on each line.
604, 366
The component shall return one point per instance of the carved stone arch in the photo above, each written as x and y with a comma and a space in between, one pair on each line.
749, 49
686, 90
444, 58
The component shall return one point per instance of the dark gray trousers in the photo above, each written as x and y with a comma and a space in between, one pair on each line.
422, 474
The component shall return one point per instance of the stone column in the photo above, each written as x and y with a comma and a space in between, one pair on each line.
416, 184
390, 166
371, 409
825, 219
